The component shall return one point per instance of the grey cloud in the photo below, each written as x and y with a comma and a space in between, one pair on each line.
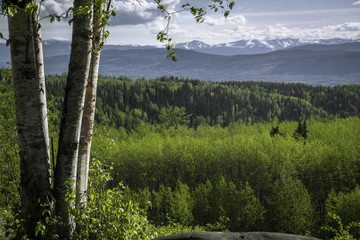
136, 12
55, 7
129, 12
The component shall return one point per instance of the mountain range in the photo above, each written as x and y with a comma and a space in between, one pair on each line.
320, 62
256, 46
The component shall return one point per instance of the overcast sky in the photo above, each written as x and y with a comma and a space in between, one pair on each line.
138, 21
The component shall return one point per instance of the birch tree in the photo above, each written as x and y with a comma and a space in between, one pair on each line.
31, 109
87, 124
70, 127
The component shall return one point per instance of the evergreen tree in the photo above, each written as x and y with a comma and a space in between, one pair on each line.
274, 131
301, 131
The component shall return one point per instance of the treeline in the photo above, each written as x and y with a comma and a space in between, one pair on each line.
240, 178
123, 102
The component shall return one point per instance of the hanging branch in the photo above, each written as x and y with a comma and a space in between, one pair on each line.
225, 6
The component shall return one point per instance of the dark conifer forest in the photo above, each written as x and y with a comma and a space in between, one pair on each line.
219, 156
123, 102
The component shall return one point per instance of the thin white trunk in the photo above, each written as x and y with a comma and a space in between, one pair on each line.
66, 165
87, 125
31, 113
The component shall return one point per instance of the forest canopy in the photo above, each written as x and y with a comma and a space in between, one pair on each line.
181, 155
124, 102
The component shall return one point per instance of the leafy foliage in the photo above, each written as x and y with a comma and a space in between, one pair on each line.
230, 176
338, 231
174, 116
239, 173
9, 161
345, 207
106, 215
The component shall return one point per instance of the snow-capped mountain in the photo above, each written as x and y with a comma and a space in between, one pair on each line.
196, 44
241, 47
256, 46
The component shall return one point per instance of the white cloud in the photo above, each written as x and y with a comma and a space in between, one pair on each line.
129, 12
55, 6
138, 21
347, 27
132, 12
231, 20
350, 30
135, 12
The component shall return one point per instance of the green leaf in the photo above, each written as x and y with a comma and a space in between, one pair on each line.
52, 19
193, 11
231, 5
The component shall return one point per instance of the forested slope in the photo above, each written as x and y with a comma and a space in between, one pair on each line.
235, 156
123, 102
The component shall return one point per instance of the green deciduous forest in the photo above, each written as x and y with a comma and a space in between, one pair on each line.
172, 155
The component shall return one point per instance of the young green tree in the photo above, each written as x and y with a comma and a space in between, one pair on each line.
292, 210
174, 116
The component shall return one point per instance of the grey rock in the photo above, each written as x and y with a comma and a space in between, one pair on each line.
233, 236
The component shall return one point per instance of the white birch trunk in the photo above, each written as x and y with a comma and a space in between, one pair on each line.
66, 165
87, 125
31, 114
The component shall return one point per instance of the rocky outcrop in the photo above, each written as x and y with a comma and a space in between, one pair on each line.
234, 236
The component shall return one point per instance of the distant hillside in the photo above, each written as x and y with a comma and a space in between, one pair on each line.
348, 47
316, 64
325, 67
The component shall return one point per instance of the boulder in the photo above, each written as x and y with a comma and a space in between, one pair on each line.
233, 236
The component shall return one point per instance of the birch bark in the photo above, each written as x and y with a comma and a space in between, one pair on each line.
66, 166
87, 125
31, 113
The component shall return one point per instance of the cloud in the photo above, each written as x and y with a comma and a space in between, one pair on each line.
357, 3
231, 20
58, 7
349, 30
129, 12
136, 12
346, 27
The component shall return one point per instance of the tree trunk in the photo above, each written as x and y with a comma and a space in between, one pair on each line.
66, 165
87, 124
31, 114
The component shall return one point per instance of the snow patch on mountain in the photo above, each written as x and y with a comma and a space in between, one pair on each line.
256, 46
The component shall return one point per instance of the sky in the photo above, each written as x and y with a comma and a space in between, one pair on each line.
138, 21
